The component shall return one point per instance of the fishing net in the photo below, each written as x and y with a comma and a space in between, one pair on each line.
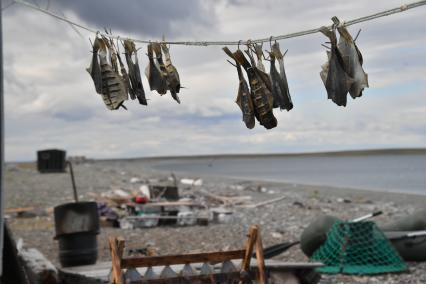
357, 248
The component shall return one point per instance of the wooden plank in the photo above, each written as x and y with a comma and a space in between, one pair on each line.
18, 210
120, 247
270, 201
182, 259
260, 259
116, 263
245, 264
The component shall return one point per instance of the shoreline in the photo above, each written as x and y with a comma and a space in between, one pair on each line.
410, 197
336, 190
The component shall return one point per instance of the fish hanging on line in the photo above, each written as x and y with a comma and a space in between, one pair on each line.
260, 86
352, 59
333, 73
173, 80
95, 69
167, 76
259, 56
110, 84
157, 81
244, 99
136, 87
279, 79
125, 76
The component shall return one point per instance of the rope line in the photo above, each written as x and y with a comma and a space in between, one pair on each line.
385, 13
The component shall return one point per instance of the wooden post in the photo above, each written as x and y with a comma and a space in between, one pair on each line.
120, 246
260, 259
245, 264
116, 260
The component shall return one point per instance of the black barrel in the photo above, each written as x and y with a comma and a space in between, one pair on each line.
77, 227
51, 161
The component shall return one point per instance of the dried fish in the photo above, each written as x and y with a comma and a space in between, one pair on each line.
95, 69
112, 54
125, 77
156, 79
159, 56
244, 99
353, 61
173, 80
279, 80
260, 91
334, 76
113, 87
275, 80
136, 88
259, 55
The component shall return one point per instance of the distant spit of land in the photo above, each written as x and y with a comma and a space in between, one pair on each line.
367, 152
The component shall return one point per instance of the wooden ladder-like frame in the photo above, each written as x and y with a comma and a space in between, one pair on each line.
254, 242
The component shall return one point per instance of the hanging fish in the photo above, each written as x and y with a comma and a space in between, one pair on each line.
353, 61
95, 69
136, 88
125, 77
172, 73
113, 86
259, 55
244, 99
260, 91
156, 80
285, 99
114, 56
334, 76
276, 80
159, 56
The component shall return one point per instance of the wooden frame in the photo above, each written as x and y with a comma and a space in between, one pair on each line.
254, 242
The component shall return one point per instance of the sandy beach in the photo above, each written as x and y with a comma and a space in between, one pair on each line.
280, 221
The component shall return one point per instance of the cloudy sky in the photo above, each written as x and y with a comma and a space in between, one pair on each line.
51, 101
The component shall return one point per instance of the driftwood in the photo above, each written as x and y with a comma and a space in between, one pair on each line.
19, 210
263, 203
227, 200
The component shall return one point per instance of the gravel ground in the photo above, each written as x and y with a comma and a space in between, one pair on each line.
280, 221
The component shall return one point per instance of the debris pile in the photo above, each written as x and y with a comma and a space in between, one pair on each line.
169, 202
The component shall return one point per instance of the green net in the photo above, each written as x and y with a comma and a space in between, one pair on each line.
357, 248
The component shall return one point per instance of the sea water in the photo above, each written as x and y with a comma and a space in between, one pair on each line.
384, 172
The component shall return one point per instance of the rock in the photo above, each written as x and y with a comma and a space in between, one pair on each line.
39, 268
262, 189
277, 235
298, 204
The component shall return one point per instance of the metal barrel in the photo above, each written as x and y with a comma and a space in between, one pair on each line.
77, 226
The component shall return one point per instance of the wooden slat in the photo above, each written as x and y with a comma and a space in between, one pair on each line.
245, 264
18, 210
116, 263
120, 246
260, 259
182, 259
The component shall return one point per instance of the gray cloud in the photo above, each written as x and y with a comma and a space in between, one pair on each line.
144, 17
